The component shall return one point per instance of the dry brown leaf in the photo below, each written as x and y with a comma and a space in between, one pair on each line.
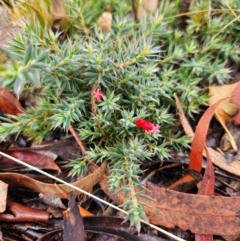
197, 213
146, 6
219, 92
229, 136
36, 159
9, 104
225, 144
86, 183
207, 188
17, 212
3, 196
197, 148
217, 158
73, 227
199, 139
226, 110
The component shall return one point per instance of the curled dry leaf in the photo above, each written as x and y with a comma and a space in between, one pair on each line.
197, 213
51, 201
220, 118
21, 213
73, 228
190, 179
198, 143
207, 188
217, 158
219, 92
9, 104
225, 143
226, 110
197, 147
207, 184
65, 148
33, 158
86, 183
3, 196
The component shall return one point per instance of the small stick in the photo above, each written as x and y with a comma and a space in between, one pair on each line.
79, 141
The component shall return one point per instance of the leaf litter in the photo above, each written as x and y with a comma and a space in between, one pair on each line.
201, 213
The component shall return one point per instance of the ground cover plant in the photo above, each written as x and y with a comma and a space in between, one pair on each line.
115, 87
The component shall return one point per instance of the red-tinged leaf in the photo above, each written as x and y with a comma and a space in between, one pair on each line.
198, 213
217, 158
8, 103
33, 158
207, 184
20, 213
197, 148
73, 228
198, 143
206, 188
235, 99
206, 237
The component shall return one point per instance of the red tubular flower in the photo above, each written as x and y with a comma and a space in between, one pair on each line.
147, 126
97, 95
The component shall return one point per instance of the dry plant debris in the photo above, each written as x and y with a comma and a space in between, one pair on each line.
106, 75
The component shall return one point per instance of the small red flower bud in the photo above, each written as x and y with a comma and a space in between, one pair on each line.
147, 126
97, 95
